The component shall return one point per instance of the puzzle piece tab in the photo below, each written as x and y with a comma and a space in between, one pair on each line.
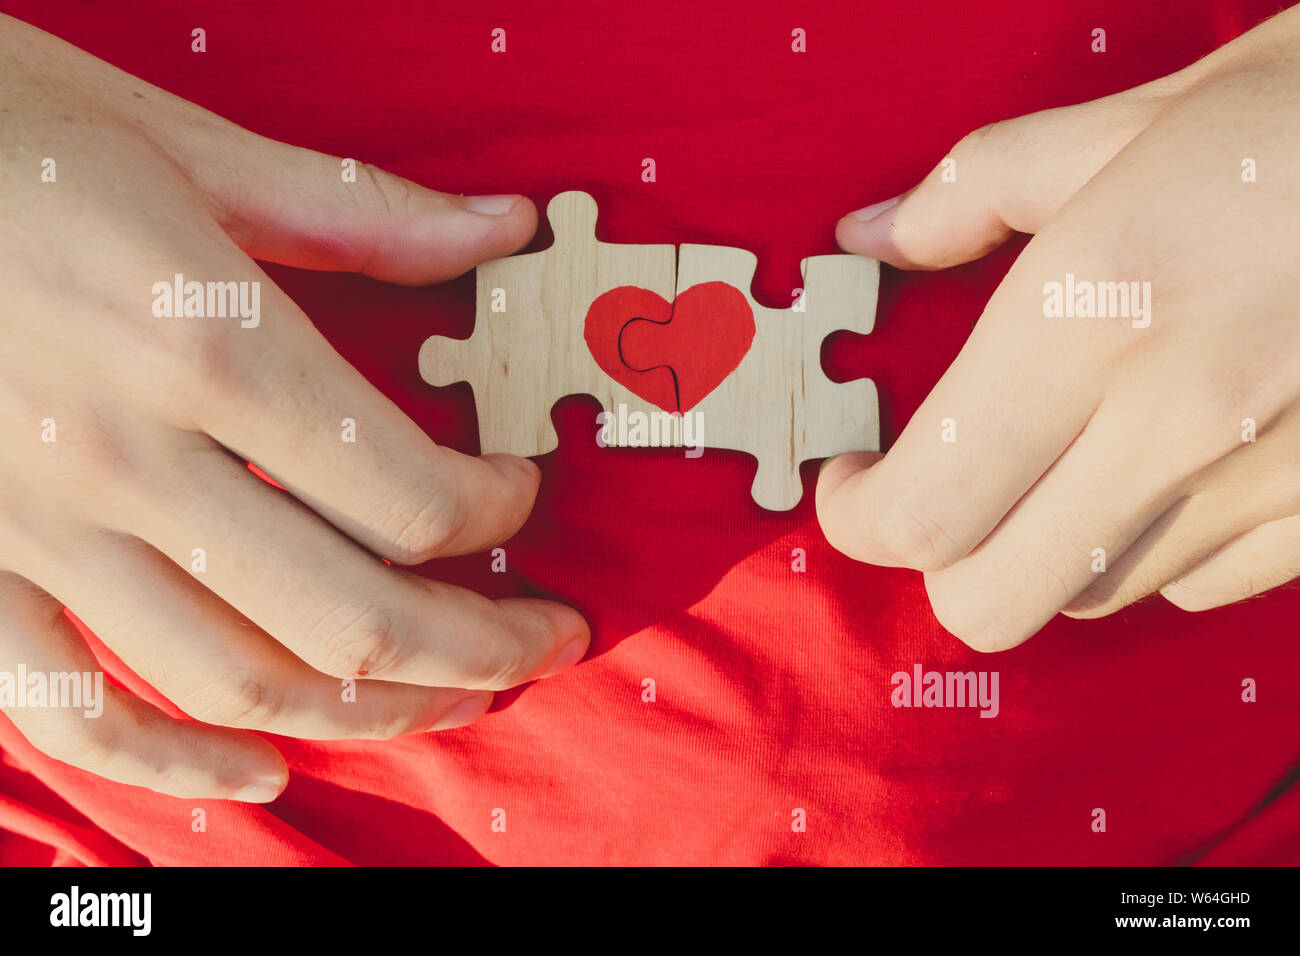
777, 404
654, 329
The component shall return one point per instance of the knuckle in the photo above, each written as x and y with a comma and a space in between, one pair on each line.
392, 192
512, 662
212, 379
211, 359
196, 362
239, 698
515, 667
916, 538
973, 141
96, 461
356, 642
417, 533
101, 454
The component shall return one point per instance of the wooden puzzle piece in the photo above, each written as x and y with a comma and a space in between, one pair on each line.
776, 403
648, 330
527, 350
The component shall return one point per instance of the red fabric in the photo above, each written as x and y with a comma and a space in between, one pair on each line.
772, 686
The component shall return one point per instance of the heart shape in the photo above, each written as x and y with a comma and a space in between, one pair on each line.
670, 354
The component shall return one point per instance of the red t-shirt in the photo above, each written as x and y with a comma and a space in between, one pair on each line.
771, 685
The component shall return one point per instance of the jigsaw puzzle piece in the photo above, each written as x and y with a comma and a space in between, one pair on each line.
528, 349
778, 405
757, 383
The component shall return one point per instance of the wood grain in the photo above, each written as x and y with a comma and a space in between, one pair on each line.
777, 405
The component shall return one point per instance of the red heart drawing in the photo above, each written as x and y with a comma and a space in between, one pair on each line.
670, 354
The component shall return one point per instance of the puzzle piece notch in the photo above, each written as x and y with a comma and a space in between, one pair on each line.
520, 361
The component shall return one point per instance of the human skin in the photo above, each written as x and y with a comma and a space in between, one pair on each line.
154, 418
1077, 434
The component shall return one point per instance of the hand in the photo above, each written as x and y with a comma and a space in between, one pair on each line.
124, 434
1091, 461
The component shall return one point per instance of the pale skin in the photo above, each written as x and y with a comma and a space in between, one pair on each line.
1071, 434
154, 419
1078, 434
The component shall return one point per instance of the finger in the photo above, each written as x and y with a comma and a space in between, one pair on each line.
1020, 391
1112, 483
1006, 177
301, 413
1254, 485
337, 607
284, 204
1257, 561
128, 740
217, 666
304, 208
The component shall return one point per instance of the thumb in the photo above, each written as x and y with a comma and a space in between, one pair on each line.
307, 209
1006, 177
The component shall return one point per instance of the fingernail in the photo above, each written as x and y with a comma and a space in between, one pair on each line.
868, 213
492, 205
570, 655
822, 466
466, 712
263, 790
